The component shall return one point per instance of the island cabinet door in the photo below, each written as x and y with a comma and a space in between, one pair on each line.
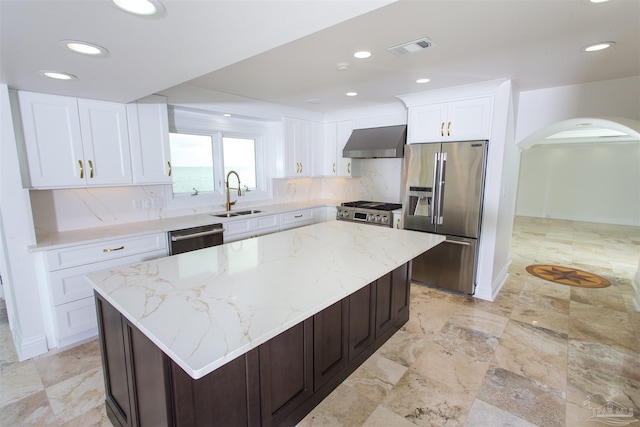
361, 320
115, 349
330, 342
136, 373
401, 294
228, 396
286, 373
384, 305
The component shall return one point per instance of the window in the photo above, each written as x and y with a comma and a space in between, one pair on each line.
196, 168
192, 162
240, 156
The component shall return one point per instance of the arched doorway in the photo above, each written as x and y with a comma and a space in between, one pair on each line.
580, 179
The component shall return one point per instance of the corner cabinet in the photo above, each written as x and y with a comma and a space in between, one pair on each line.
274, 384
149, 132
462, 120
73, 142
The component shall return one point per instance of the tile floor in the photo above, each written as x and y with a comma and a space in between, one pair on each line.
542, 354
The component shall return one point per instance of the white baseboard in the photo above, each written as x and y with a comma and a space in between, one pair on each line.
496, 286
32, 347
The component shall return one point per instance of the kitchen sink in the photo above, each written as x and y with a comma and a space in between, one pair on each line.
247, 212
225, 215
232, 214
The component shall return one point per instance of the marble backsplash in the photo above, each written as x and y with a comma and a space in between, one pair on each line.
74, 209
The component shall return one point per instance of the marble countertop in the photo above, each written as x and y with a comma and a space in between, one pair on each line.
49, 241
207, 307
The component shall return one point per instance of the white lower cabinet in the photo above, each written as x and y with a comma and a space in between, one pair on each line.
251, 227
70, 295
297, 219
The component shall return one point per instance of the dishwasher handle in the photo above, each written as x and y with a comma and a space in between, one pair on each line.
177, 238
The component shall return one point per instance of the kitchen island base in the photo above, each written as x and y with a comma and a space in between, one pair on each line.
275, 384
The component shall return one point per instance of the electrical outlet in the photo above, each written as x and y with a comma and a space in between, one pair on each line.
137, 204
157, 202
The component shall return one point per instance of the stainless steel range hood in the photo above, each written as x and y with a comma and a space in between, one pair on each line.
375, 143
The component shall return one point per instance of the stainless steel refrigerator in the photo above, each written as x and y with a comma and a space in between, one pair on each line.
443, 194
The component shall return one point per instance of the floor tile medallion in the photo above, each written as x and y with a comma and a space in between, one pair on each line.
567, 276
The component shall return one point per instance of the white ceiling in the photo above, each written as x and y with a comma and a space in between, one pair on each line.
286, 51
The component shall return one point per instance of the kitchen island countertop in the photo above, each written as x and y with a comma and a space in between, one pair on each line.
207, 307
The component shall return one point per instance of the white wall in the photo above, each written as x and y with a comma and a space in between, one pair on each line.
19, 272
582, 182
538, 109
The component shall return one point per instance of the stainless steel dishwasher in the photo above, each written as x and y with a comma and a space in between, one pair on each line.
191, 239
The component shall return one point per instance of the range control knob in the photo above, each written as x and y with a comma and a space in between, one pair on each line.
377, 218
371, 217
385, 219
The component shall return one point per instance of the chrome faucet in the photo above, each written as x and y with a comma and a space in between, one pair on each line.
229, 202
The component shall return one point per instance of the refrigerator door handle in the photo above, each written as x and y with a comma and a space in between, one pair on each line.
436, 173
440, 196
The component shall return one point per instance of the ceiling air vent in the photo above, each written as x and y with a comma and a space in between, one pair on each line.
411, 47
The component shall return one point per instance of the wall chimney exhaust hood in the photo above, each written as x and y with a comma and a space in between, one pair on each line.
372, 143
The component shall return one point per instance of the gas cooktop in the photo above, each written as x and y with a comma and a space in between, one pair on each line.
374, 213
378, 206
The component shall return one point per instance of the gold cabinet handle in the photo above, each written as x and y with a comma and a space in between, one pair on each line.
349, 167
298, 216
449, 129
441, 128
169, 166
334, 168
297, 167
90, 168
81, 169
113, 249
300, 167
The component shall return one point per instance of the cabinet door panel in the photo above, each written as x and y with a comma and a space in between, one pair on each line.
470, 119
286, 372
112, 344
330, 342
52, 138
426, 123
149, 133
401, 293
150, 373
105, 140
384, 309
361, 320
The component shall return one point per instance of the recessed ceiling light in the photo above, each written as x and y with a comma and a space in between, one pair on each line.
598, 1
423, 81
58, 75
363, 54
226, 115
351, 93
84, 47
313, 101
597, 46
140, 7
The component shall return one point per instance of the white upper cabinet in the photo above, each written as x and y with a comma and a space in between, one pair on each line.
298, 147
105, 141
149, 133
329, 159
450, 121
74, 142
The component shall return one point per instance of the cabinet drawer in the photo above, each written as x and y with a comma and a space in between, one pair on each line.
297, 219
76, 317
265, 222
104, 251
70, 284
